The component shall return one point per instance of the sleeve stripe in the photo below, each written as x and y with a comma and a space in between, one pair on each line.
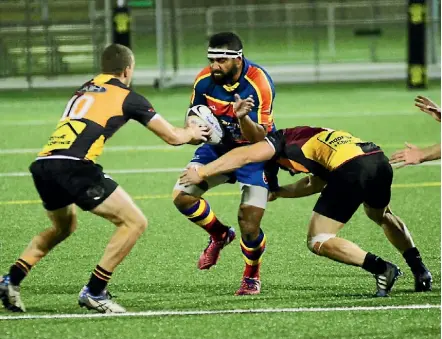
265, 95
258, 92
192, 98
201, 76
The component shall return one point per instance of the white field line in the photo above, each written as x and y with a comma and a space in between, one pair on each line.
214, 312
162, 170
107, 149
39, 122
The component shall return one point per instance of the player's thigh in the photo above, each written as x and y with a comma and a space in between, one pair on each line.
119, 208
338, 201
377, 182
253, 184
45, 174
253, 196
320, 224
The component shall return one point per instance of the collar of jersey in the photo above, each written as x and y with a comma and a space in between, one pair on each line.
233, 87
102, 78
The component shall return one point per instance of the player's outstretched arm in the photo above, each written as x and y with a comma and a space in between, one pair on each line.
428, 106
176, 135
302, 188
236, 158
413, 155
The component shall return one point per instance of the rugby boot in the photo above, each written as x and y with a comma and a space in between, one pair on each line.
210, 255
386, 280
249, 286
10, 295
101, 303
423, 282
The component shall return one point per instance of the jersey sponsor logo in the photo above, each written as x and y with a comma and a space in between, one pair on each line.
334, 139
95, 192
92, 88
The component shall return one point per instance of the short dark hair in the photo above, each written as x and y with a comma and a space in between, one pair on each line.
227, 39
115, 59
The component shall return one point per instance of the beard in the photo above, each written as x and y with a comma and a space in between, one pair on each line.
223, 78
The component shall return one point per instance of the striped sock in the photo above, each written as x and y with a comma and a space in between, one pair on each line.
19, 271
202, 215
252, 253
98, 281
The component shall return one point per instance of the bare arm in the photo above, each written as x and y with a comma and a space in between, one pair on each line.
252, 131
431, 153
413, 155
175, 135
230, 161
304, 187
237, 158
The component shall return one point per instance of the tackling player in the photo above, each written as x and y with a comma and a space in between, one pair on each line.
65, 174
229, 77
348, 172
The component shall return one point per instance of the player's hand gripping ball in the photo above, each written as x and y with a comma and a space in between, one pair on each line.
203, 116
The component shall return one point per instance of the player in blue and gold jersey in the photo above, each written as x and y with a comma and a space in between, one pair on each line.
229, 77
348, 172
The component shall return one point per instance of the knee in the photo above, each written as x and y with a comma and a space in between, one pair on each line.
135, 221
244, 223
377, 217
137, 225
183, 201
249, 221
141, 224
316, 242
66, 226
72, 222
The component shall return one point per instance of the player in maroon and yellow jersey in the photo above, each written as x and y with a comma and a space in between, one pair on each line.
348, 172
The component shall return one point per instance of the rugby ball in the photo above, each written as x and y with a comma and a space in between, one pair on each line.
202, 115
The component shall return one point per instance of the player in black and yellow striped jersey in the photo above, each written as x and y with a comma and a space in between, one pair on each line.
65, 174
348, 172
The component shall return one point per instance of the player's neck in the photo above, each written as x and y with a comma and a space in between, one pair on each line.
122, 80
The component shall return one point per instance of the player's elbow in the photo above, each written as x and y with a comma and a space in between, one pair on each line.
259, 135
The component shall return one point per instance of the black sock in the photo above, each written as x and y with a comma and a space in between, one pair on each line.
374, 264
414, 260
98, 281
19, 271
